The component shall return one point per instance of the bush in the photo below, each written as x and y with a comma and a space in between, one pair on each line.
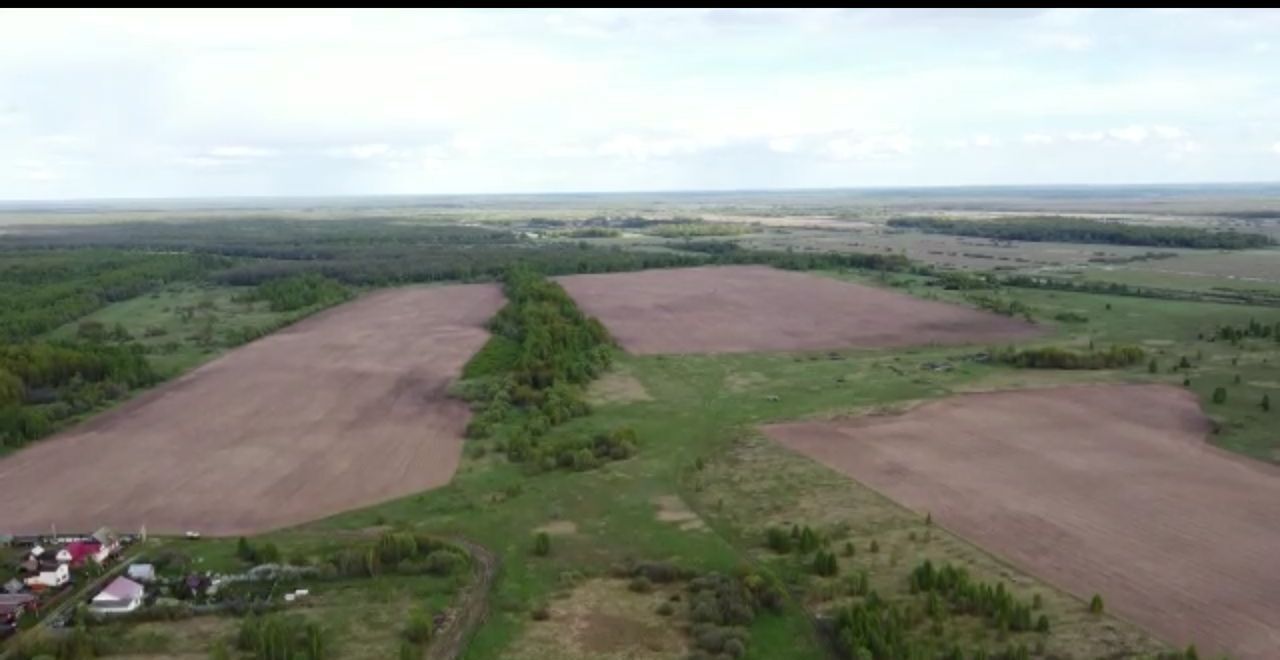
540, 613
542, 544
665, 609
778, 540
420, 628
1220, 395
1096, 605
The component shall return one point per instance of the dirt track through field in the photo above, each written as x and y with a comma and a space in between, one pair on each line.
342, 410
1098, 489
733, 309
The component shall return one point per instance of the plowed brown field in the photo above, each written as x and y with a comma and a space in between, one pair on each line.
733, 309
1105, 489
342, 410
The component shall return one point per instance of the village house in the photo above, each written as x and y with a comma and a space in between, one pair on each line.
49, 576
122, 595
77, 552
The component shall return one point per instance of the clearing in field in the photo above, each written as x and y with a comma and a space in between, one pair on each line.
1105, 489
755, 308
342, 410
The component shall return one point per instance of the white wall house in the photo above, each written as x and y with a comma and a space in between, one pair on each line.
122, 595
53, 577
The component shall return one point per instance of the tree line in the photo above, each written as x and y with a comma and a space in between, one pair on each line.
296, 292
1051, 357
530, 375
1085, 230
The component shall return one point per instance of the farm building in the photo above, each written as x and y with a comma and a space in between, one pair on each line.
49, 576
122, 595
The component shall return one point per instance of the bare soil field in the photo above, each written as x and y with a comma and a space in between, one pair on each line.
342, 410
756, 308
1098, 489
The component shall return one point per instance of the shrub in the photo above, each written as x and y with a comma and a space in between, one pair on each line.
778, 540
1096, 605
420, 628
825, 565
1220, 395
540, 613
640, 585
542, 544
734, 648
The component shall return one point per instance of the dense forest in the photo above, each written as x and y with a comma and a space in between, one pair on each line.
1083, 230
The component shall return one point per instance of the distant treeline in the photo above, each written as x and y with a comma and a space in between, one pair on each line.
1084, 230
1230, 296
42, 290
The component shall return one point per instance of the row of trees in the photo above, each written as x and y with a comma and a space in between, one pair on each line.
1084, 230
296, 292
531, 374
876, 629
1052, 357
968, 596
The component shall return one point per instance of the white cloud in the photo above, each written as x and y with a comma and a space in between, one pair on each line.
1037, 139
1070, 42
863, 147
784, 145
1085, 136
641, 148
1132, 134
242, 152
360, 151
1168, 132
1261, 47
1276, 147
205, 161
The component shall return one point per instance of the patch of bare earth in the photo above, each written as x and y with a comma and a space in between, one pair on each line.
617, 386
342, 410
605, 620
1106, 489
558, 528
672, 509
756, 308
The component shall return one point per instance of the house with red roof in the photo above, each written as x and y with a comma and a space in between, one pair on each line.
77, 552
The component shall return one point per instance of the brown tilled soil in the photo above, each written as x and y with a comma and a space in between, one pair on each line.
1105, 489
342, 410
733, 309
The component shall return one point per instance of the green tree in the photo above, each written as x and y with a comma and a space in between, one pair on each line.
1266, 403
1220, 395
1096, 605
542, 544
1153, 366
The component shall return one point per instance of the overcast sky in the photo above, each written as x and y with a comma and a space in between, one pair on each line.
161, 104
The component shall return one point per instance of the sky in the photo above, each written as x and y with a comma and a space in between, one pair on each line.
152, 103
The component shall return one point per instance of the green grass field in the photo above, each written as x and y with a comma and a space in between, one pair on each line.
185, 325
